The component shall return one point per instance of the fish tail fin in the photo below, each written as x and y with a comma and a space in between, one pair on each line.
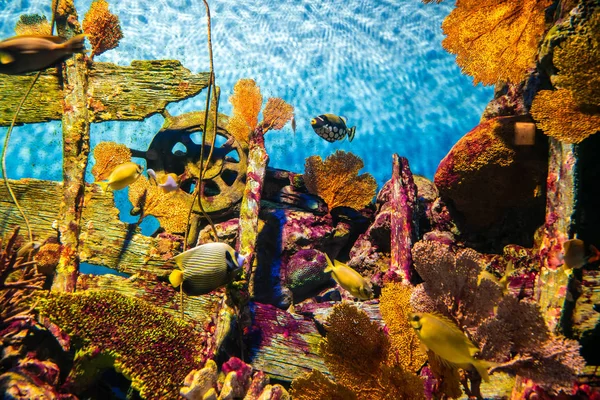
75, 44
176, 278
482, 367
351, 133
103, 185
329, 264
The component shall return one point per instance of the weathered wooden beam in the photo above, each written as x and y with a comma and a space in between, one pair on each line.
114, 92
106, 240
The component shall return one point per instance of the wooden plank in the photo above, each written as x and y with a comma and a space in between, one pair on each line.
107, 241
115, 92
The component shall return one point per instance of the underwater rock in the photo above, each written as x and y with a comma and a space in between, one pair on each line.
304, 272
198, 382
227, 231
260, 380
17, 386
495, 186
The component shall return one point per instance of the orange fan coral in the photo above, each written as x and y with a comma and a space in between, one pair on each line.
276, 114
247, 101
315, 385
32, 24
337, 181
108, 155
578, 63
171, 209
559, 116
495, 40
394, 305
103, 27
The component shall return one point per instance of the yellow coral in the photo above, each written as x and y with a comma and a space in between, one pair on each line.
108, 155
394, 306
247, 101
103, 27
276, 114
337, 181
356, 351
578, 63
315, 385
32, 24
495, 39
559, 116
171, 209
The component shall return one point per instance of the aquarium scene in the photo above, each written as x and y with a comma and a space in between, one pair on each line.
270, 200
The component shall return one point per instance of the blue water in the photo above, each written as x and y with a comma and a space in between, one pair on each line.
379, 63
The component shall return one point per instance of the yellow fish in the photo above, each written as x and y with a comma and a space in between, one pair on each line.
349, 279
442, 336
122, 176
502, 282
27, 53
206, 268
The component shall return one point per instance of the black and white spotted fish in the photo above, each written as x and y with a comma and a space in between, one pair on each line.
205, 268
331, 127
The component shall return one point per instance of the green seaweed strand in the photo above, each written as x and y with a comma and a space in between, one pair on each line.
9, 131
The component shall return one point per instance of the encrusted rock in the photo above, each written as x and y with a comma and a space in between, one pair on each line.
199, 382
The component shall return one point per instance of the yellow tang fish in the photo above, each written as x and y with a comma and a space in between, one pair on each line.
27, 53
206, 268
122, 176
442, 336
349, 279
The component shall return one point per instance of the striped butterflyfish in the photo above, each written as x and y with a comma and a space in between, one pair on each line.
205, 268
331, 127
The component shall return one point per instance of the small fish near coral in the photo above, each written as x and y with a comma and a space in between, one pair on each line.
440, 335
205, 268
28, 53
168, 184
349, 279
306, 201
331, 127
122, 176
574, 254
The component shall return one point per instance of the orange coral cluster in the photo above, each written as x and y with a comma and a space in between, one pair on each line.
171, 209
103, 27
495, 40
337, 181
109, 155
395, 306
356, 351
247, 101
32, 24
560, 117
276, 114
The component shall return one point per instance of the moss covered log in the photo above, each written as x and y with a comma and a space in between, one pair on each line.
115, 92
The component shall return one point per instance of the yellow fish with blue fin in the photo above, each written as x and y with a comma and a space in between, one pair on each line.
349, 279
206, 268
122, 176
440, 335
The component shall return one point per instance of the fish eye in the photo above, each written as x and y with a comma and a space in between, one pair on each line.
313, 121
415, 318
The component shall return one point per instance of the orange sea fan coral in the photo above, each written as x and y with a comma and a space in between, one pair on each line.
32, 24
247, 101
559, 116
103, 27
171, 209
108, 155
276, 114
315, 385
337, 181
578, 63
495, 39
394, 305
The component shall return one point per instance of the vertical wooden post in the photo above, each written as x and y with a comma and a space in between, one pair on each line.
76, 148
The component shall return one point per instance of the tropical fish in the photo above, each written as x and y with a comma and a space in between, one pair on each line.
440, 335
349, 279
168, 184
206, 268
574, 254
502, 282
331, 127
27, 53
122, 176
306, 201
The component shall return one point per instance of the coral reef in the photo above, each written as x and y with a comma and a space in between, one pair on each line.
155, 352
336, 180
170, 208
32, 24
109, 155
246, 101
102, 27
489, 180
357, 352
560, 117
315, 385
276, 114
494, 40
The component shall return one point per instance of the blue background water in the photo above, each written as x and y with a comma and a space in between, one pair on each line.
379, 63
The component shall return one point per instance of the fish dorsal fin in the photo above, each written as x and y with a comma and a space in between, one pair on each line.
343, 118
451, 324
54, 39
339, 264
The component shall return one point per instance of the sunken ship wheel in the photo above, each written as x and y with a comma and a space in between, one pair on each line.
176, 149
